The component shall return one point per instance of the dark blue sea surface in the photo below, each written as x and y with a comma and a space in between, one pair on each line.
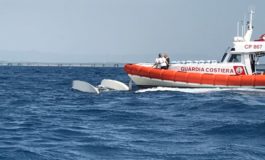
42, 118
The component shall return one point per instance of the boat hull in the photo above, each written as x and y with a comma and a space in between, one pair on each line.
144, 76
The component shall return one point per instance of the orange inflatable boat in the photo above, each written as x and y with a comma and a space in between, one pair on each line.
236, 69
146, 76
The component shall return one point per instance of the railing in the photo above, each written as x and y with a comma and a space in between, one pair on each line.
195, 62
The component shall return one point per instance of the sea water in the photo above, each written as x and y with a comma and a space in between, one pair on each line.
42, 118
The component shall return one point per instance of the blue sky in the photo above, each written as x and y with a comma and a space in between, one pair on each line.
120, 30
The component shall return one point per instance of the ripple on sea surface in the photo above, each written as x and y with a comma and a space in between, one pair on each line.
41, 117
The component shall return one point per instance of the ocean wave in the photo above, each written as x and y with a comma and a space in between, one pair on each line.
43, 118
249, 129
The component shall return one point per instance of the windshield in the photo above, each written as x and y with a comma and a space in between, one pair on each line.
223, 58
235, 58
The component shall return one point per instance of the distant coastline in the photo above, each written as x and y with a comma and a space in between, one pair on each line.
53, 64
64, 64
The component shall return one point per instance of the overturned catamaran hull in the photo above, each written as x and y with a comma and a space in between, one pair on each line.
106, 85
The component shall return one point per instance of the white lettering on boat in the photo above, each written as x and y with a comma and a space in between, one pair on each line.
206, 69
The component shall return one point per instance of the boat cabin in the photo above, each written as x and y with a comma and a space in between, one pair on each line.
240, 59
246, 52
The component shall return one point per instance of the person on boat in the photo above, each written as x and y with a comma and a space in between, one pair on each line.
160, 62
167, 60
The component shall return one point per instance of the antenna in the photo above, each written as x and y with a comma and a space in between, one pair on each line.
244, 22
237, 29
250, 26
252, 9
242, 28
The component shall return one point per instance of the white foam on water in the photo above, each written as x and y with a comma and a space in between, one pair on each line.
185, 90
197, 90
248, 89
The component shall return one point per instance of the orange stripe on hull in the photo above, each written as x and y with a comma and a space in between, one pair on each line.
197, 78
